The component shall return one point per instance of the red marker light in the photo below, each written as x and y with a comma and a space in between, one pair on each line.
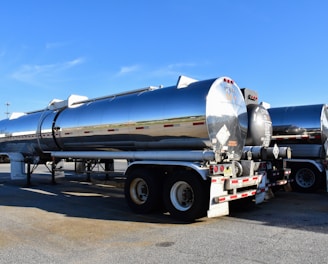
228, 81
252, 97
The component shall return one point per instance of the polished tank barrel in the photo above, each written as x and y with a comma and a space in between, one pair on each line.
208, 114
259, 126
309, 121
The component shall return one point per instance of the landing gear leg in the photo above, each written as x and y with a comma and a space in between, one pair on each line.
28, 176
53, 168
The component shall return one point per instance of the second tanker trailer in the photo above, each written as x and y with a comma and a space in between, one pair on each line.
305, 130
184, 143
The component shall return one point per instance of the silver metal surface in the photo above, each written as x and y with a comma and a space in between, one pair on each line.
139, 155
300, 120
303, 128
265, 153
208, 114
259, 126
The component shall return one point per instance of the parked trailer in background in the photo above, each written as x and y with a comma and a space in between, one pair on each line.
305, 130
184, 144
273, 159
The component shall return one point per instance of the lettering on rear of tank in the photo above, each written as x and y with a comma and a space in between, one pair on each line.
267, 134
230, 94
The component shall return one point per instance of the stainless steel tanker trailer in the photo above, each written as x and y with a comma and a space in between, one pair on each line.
184, 144
304, 129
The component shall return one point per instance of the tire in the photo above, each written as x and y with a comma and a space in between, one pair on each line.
185, 196
306, 178
142, 191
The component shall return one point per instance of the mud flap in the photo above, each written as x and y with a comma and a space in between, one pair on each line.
261, 190
216, 190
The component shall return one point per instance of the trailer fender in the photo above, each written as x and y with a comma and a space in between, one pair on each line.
316, 164
203, 172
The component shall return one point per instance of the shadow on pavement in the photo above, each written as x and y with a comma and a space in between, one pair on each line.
104, 199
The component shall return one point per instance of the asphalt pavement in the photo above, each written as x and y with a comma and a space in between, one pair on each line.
76, 221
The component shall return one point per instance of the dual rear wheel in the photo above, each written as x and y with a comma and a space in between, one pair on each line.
183, 194
306, 177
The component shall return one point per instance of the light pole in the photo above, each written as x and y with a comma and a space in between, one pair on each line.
7, 112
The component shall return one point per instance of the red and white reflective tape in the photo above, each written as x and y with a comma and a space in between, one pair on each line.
215, 180
230, 197
238, 181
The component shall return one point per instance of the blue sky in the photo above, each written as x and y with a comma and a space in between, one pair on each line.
52, 49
